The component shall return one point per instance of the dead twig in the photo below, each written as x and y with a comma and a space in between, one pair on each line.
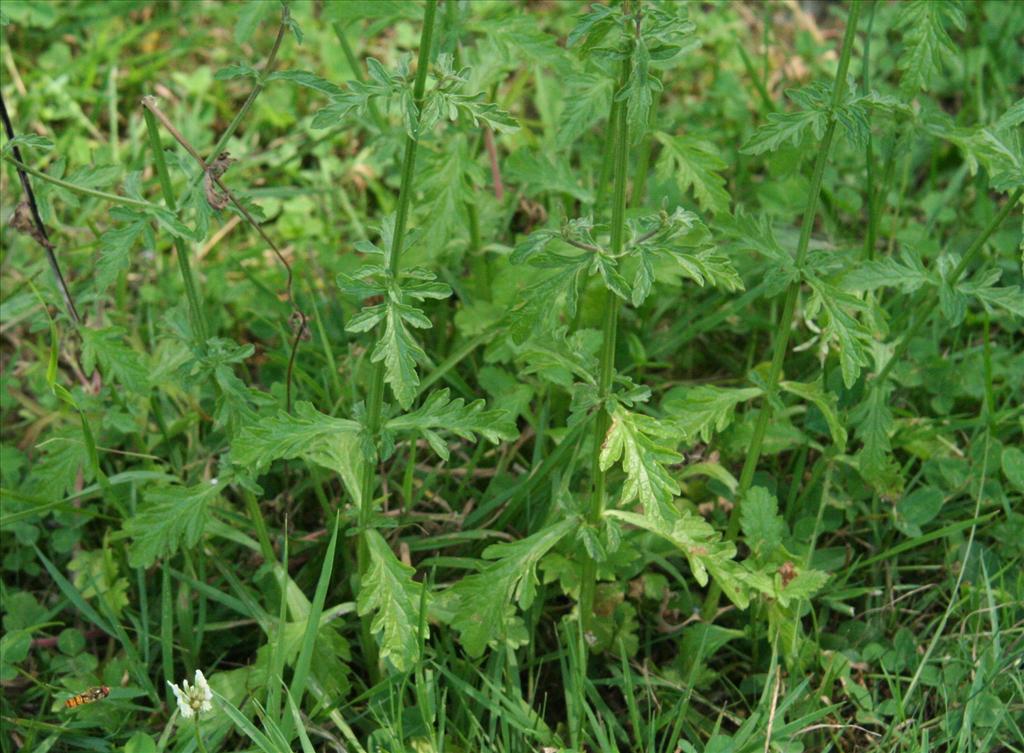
26, 220
212, 176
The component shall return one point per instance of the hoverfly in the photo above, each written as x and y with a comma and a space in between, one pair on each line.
89, 696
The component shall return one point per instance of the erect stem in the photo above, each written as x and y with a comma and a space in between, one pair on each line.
785, 321
181, 251
375, 396
620, 133
40, 229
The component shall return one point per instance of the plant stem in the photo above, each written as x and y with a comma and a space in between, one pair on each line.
199, 737
40, 229
375, 397
181, 251
785, 320
111, 197
872, 198
259, 86
609, 330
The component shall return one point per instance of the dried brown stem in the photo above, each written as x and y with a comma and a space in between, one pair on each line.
37, 229
212, 174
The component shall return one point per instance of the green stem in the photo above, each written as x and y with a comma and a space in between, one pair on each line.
872, 199
785, 320
181, 251
357, 71
111, 197
609, 330
375, 397
199, 738
260, 85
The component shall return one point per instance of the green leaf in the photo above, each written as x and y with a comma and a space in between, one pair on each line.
488, 112
982, 287
840, 327
238, 70
638, 92
482, 600
1013, 467
589, 102
763, 527
542, 172
695, 165
803, 586
702, 546
170, 518
117, 361
917, 509
249, 18
907, 274
442, 414
926, 41
400, 352
308, 80
636, 440
308, 434
669, 237
116, 245
389, 591
702, 411
53, 474
30, 140
814, 392
783, 128
874, 422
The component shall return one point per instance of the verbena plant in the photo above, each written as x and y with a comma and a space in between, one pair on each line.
500, 343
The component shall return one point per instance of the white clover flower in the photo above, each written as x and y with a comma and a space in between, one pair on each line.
193, 700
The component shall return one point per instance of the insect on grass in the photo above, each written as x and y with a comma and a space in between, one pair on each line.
89, 696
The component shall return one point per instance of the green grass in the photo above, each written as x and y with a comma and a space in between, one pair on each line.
637, 377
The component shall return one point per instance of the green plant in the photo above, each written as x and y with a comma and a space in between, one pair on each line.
475, 382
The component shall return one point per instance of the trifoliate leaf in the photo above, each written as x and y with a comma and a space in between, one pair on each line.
238, 70
400, 352
483, 600
389, 592
589, 102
